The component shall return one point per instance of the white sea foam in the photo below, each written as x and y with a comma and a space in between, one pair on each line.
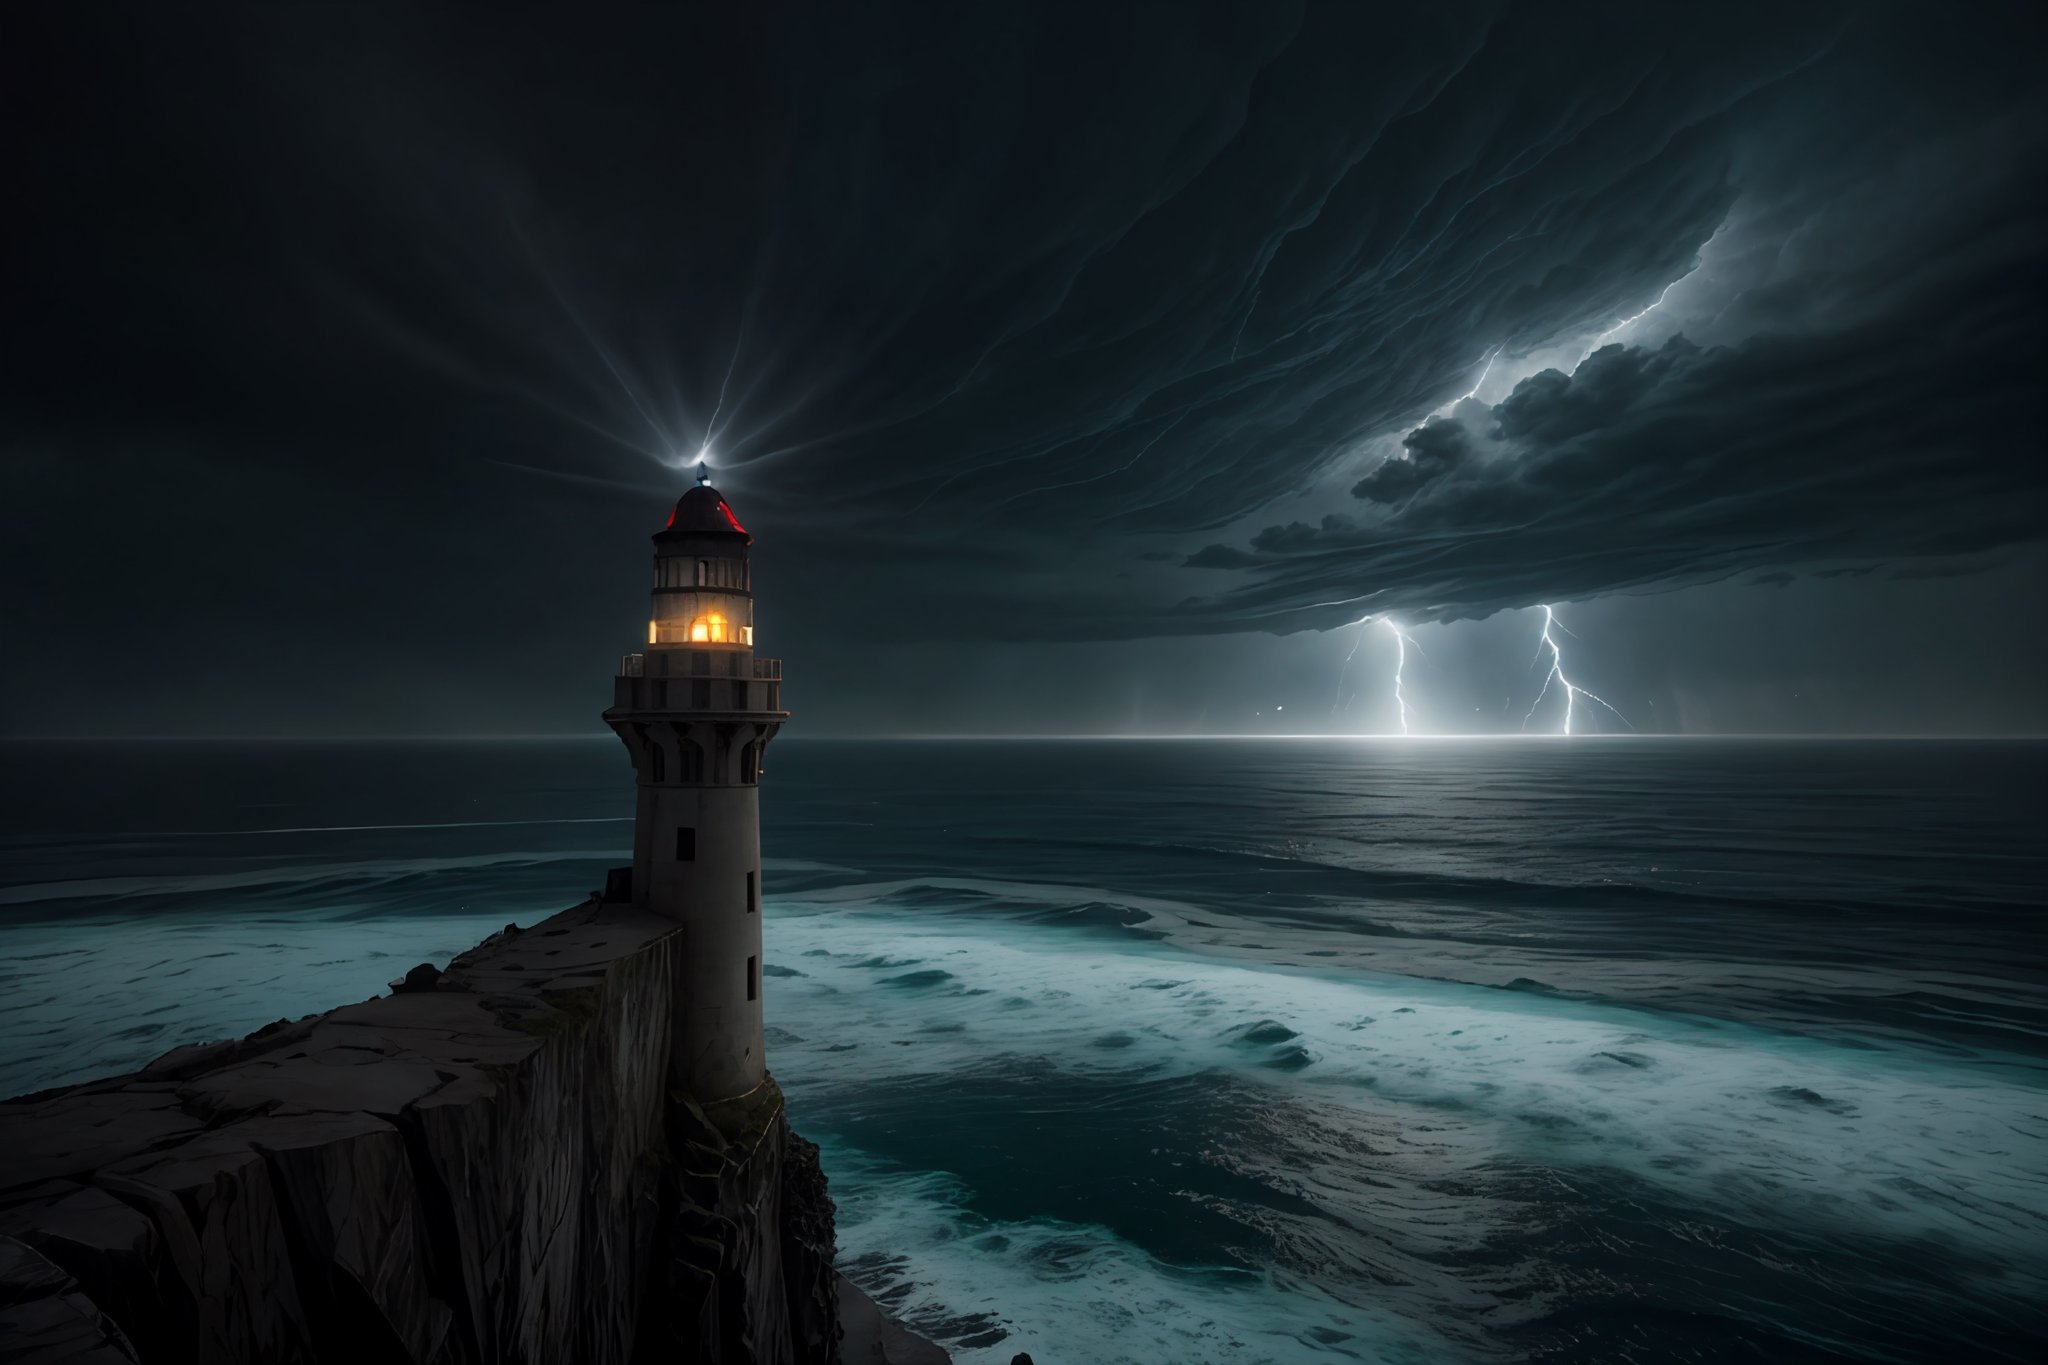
1764, 1129
1066, 1292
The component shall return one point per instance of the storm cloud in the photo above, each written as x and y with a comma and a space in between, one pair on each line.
1895, 418
1030, 323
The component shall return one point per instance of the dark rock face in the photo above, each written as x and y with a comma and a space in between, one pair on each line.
488, 1166
45, 1318
808, 1250
425, 977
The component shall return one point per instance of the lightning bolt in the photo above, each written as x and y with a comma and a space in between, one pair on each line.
1401, 642
1627, 322
1572, 691
1480, 383
1634, 318
1555, 674
1337, 702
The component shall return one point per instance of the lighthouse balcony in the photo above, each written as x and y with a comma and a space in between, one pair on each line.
750, 686
699, 663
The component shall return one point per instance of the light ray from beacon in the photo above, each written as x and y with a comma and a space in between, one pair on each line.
711, 427
1572, 691
625, 382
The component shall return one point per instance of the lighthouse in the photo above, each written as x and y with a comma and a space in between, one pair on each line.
696, 709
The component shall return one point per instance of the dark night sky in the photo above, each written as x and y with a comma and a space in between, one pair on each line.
1084, 367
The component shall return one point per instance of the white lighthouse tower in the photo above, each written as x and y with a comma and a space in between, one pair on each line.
696, 710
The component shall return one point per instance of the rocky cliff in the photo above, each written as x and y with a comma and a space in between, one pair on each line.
485, 1166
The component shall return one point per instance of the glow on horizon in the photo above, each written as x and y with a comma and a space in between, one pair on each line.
843, 736
1320, 736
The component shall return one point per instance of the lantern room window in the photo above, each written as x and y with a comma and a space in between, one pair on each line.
711, 628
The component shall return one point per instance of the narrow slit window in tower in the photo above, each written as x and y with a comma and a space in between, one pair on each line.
753, 891
753, 978
686, 844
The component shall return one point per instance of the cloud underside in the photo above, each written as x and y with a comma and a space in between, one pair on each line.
1913, 437
1083, 322
1849, 373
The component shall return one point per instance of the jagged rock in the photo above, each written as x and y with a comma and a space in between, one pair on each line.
808, 1251
490, 1170
46, 1319
425, 977
113, 1251
212, 1202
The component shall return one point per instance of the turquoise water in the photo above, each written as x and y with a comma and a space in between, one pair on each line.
1228, 1051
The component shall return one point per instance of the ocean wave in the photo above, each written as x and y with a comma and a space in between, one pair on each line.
990, 1288
378, 870
1764, 971
1592, 887
197, 980
41, 839
1758, 1137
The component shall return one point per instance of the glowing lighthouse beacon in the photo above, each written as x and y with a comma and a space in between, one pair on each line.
696, 710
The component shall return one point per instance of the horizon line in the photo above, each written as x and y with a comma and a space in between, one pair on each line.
1061, 736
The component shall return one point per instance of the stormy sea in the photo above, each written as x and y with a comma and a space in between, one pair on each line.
1228, 1050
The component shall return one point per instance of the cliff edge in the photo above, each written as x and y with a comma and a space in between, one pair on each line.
485, 1166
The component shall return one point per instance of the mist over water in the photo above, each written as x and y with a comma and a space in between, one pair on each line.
1229, 1051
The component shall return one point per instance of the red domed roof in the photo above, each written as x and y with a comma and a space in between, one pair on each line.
703, 512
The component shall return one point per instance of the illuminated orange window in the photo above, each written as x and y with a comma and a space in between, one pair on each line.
711, 629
